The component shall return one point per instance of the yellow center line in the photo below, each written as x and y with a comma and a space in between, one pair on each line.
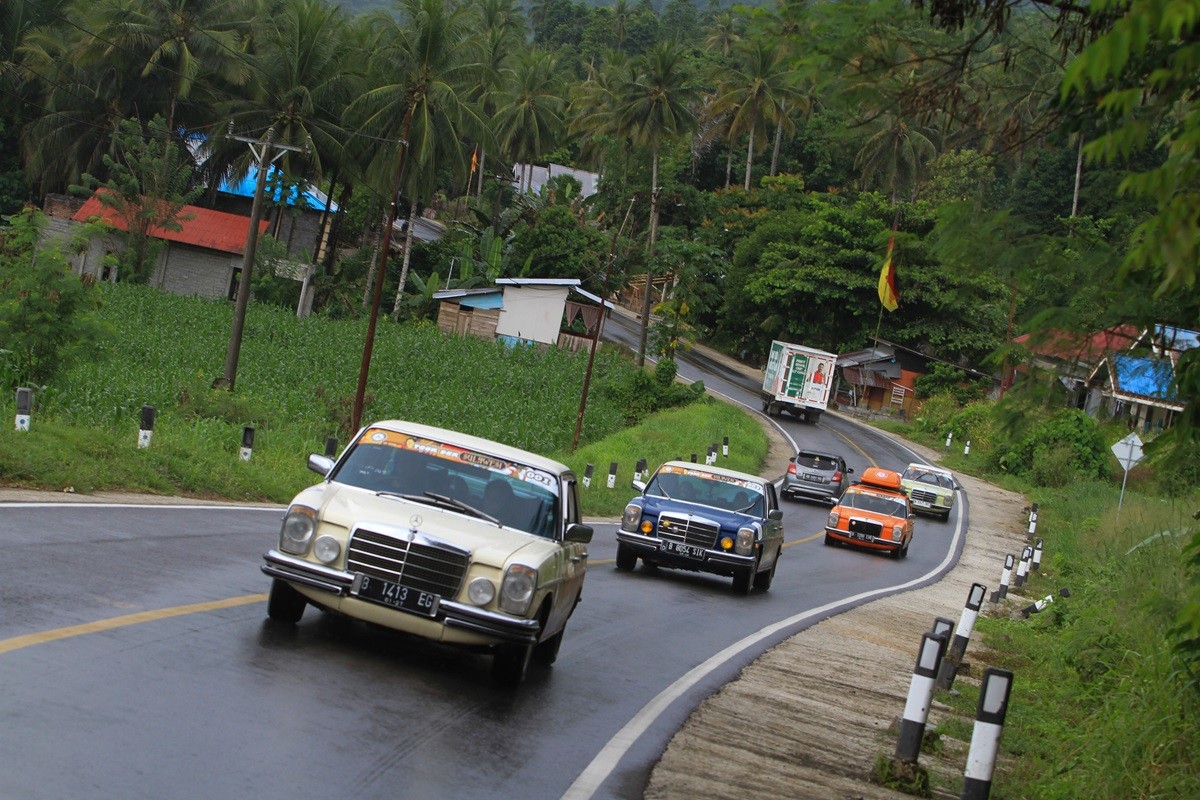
31, 639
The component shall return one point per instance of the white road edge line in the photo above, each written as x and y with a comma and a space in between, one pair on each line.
594, 775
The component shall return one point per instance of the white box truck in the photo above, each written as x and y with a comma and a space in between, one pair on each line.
797, 380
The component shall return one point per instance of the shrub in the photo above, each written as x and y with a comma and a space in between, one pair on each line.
1064, 448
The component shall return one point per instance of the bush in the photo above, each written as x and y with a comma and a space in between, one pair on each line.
1063, 449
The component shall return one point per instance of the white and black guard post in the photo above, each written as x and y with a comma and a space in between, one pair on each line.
247, 442
1040, 605
1036, 564
985, 737
725, 446
146, 426
1005, 576
967, 449
920, 696
612, 474
694, 458
942, 627
1023, 566
587, 475
331, 445
949, 438
962, 636
24, 408
710, 456
639, 470
1033, 509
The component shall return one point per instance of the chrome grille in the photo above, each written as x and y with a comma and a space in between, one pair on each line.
417, 564
687, 530
923, 495
865, 526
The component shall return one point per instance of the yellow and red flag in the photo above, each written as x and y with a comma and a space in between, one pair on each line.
475, 159
887, 280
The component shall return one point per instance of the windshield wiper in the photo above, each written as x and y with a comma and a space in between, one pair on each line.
445, 501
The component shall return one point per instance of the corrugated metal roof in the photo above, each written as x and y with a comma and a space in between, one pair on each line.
866, 377
203, 227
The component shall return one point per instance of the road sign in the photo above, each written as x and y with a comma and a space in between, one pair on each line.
1128, 451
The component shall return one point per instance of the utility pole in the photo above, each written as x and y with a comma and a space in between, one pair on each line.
262, 152
654, 194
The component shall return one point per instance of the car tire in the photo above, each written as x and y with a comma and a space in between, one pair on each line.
546, 653
626, 558
762, 581
511, 664
830, 541
743, 580
904, 549
285, 604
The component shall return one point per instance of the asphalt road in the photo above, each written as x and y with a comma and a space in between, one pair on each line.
137, 661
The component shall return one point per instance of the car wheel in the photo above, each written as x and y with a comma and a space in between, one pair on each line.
546, 653
285, 604
762, 581
626, 558
904, 550
511, 663
830, 541
743, 580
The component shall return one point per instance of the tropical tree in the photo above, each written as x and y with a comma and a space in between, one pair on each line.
529, 113
654, 105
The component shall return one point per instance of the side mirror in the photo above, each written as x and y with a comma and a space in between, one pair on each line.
848, 471
639, 485
578, 532
775, 514
792, 459
322, 465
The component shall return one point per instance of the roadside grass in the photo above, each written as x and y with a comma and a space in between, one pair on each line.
295, 386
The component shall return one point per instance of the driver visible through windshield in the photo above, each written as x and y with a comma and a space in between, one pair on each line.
709, 489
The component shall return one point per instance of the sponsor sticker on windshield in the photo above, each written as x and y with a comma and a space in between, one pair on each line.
462, 455
669, 469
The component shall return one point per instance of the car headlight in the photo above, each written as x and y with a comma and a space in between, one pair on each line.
517, 590
833, 520
327, 549
897, 533
481, 591
745, 541
629, 520
297, 530
947, 500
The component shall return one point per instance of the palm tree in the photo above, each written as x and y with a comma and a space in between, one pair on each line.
172, 46
724, 33
754, 91
420, 100
529, 114
654, 107
501, 31
893, 157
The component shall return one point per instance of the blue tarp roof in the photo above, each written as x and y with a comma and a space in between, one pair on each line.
312, 197
1144, 376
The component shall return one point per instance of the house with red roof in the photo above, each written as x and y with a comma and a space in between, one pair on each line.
203, 258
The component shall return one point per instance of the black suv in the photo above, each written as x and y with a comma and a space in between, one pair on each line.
815, 475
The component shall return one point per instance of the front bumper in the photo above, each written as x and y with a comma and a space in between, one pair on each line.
718, 561
871, 542
812, 491
451, 613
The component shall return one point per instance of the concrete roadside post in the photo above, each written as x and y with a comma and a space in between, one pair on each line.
1033, 511
1023, 566
247, 442
949, 438
331, 446
146, 428
1037, 556
1005, 575
587, 475
967, 449
962, 636
725, 446
612, 474
24, 408
639, 470
985, 737
920, 697
942, 627
1040, 605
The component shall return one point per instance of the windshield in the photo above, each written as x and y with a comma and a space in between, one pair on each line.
709, 488
816, 461
875, 503
928, 476
516, 495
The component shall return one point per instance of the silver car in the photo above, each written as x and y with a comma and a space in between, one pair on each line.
815, 475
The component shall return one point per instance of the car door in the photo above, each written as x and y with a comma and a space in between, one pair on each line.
772, 528
573, 560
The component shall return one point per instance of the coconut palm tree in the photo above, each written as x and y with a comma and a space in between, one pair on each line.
894, 156
654, 105
529, 113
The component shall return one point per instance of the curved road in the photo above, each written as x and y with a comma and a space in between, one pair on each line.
138, 662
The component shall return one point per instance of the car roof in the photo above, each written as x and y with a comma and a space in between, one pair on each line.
467, 440
728, 473
883, 479
929, 468
819, 453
